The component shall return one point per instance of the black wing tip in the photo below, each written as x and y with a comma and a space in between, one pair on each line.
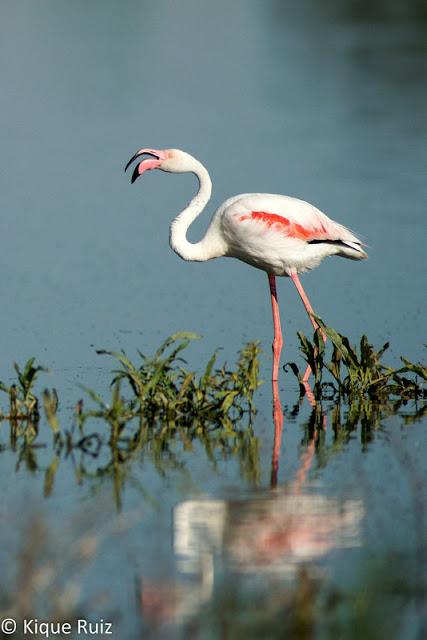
354, 246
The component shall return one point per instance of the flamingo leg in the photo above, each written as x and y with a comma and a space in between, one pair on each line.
278, 429
278, 339
310, 312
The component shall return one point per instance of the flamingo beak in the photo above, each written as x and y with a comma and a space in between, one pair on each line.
155, 160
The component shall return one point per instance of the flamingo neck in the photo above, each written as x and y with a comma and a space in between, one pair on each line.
205, 249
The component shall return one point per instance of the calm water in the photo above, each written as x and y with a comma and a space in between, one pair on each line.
327, 104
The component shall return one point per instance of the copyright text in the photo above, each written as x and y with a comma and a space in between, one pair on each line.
47, 629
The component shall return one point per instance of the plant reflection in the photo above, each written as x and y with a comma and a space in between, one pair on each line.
113, 438
164, 415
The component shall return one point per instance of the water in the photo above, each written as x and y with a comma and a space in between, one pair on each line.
327, 104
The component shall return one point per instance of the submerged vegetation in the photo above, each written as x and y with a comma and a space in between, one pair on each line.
159, 409
357, 372
162, 392
152, 404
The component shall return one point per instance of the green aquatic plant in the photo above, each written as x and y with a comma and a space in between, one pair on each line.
171, 408
357, 371
157, 409
162, 390
165, 390
23, 404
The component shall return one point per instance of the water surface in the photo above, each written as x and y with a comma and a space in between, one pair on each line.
327, 104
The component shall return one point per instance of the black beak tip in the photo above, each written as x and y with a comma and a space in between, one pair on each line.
135, 175
130, 162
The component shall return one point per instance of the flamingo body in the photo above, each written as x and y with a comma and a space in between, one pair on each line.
281, 235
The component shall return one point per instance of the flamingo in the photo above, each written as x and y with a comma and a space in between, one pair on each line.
281, 235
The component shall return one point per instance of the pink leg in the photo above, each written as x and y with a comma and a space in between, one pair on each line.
310, 312
278, 340
278, 428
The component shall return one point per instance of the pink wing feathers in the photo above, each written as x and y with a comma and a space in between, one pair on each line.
291, 218
288, 227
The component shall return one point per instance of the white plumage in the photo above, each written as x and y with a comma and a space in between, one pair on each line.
281, 235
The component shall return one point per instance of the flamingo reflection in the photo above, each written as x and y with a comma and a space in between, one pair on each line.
274, 533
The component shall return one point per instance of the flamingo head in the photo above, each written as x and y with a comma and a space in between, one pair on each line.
171, 160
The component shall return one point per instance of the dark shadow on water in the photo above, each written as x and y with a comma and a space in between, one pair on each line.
354, 11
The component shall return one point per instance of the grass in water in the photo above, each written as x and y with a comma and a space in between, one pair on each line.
161, 390
357, 371
23, 404
165, 390
156, 408
159, 409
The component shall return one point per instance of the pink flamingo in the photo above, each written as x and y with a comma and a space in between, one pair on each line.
281, 235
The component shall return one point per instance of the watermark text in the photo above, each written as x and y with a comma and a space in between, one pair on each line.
49, 629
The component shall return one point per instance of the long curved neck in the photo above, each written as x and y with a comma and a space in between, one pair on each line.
205, 249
